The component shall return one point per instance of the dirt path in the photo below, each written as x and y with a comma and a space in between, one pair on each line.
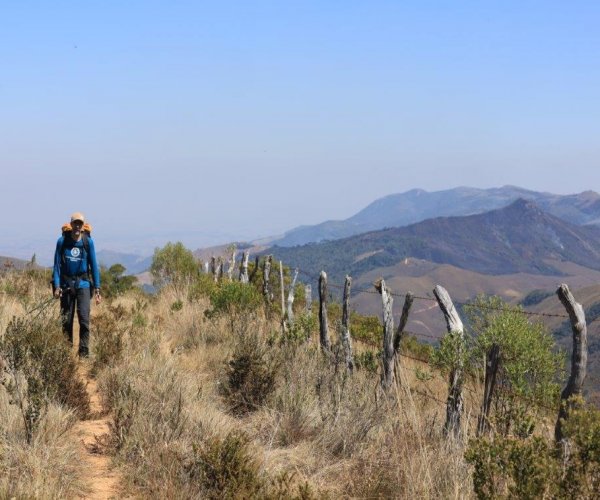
103, 480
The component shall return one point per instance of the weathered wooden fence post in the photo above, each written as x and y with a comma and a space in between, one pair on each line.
254, 269
290, 300
491, 369
244, 267
389, 356
308, 298
266, 277
323, 328
282, 287
346, 341
578, 357
220, 271
213, 268
231, 264
455, 403
408, 302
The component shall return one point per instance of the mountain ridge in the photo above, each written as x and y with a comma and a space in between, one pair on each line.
416, 205
517, 238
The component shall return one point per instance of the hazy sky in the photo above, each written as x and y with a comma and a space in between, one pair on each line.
212, 121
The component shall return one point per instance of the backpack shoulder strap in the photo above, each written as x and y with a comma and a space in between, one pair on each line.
86, 246
86, 243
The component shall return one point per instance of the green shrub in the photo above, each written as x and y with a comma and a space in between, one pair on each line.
301, 330
113, 281
535, 468
226, 468
174, 264
529, 365
233, 298
512, 468
367, 360
582, 468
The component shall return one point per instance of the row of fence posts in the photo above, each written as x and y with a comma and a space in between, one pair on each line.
392, 337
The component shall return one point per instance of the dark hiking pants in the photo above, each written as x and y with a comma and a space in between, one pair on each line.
79, 300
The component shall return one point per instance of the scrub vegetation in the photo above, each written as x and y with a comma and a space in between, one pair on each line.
210, 398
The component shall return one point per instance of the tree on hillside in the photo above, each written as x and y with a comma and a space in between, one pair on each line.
173, 264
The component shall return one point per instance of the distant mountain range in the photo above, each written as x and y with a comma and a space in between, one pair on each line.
413, 206
517, 238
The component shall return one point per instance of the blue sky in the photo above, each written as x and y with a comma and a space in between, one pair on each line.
212, 121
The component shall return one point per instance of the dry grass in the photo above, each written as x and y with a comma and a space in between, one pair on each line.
318, 432
48, 467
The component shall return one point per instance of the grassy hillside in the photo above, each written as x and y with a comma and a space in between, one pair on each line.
209, 398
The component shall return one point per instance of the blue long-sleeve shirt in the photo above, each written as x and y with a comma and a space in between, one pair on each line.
73, 261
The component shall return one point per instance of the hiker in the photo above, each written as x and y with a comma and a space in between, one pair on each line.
75, 278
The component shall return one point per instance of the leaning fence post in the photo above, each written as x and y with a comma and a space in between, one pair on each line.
578, 357
266, 277
323, 328
290, 300
308, 299
387, 377
346, 342
408, 302
455, 403
491, 369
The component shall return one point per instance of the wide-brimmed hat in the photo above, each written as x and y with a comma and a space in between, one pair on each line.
77, 216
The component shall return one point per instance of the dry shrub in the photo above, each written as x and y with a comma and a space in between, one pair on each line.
109, 328
250, 374
227, 468
40, 368
150, 402
50, 466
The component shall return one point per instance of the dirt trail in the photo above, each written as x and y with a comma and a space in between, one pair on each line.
103, 480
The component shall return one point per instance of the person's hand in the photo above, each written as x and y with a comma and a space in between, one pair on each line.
58, 293
98, 296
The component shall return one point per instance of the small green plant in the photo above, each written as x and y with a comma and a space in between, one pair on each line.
367, 360
177, 305
301, 330
423, 375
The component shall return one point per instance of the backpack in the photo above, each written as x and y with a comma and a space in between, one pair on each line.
85, 235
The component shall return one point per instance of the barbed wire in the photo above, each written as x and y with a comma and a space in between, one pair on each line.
432, 299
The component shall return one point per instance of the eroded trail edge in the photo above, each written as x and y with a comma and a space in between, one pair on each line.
103, 480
